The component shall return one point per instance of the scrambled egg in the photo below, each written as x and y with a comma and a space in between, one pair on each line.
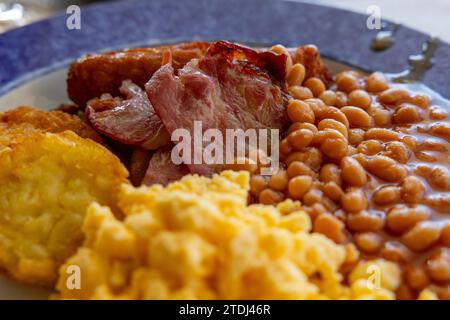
47, 181
198, 239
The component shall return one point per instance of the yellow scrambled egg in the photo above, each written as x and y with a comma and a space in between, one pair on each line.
198, 239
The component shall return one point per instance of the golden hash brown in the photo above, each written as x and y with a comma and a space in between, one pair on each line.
47, 181
49, 121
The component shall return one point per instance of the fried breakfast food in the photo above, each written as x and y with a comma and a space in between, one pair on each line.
96, 74
198, 239
131, 121
238, 83
49, 121
363, 184
47, 180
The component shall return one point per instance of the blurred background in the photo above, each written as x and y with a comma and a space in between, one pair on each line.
429, 16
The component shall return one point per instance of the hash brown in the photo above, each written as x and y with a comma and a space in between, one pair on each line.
47, 180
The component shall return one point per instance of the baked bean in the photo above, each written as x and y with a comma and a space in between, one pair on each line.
334, 148
312, 196
300, 92
347, 82
359, 98
368, 242
356, 136
318, 107
354, 200
425, 156
413, 190
279, 180
376, 82
433, 145
269, 196
422, 236
361, 158
407, 113
327, 133
445, 235
333, 124
244, 164
357, 117
301, 138
331, 227
333, 191
299, 111
352, 172
409, 141
341, 99
401, 219
366, 221
311, 157
441, 129
438, 267
397, 151
386, 195
439, 201
416, 277
315, 85
334, 113
381, 117
285, 147
393, 96
298, 186
257, 184
344, 73
296, 75
420, 100
328, 97
396, 252
440, 178
297, 168
381, 134
386, 168
331, 173
296, 156
302, 125
370, 147
437, 113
